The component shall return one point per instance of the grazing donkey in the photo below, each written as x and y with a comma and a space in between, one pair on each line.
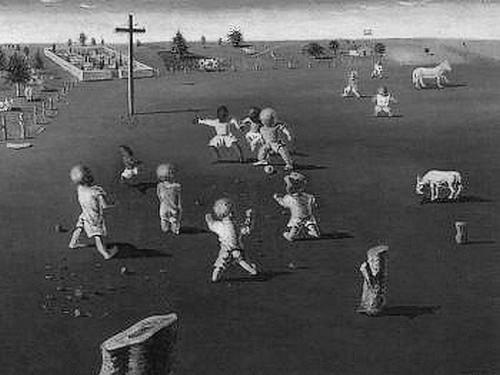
436, 179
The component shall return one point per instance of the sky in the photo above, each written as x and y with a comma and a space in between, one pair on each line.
47, 21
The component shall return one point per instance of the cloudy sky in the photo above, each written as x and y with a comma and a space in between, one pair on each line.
58, 20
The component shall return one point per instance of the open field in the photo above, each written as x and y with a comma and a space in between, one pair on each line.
289, 322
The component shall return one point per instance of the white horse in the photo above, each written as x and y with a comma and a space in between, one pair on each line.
436, 179
436, 73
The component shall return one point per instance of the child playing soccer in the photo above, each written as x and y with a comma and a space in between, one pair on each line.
253, 136
230, 237
92, 199
270, 135
169, 195
378, 70
301, 206
130, 163
352, 85
223, 137
382, 101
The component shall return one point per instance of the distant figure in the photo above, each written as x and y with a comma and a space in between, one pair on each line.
374, 272
169, 195
130, 163
301, 206
352, 85
378, 70
382, 100
223, 136
252, 122
270, 131
230, 236
93, 201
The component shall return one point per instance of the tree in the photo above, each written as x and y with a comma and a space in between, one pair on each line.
3, 60
203, 41
334, 46
379, 48
83, 39
219, 42
54, 47
235, 37
314, 49
26, 51
38, 61
102, 42
93, 42
179, 45
70, 42
18, 72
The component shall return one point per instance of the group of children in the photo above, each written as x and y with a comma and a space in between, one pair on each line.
223, 221
262, 130
382, 99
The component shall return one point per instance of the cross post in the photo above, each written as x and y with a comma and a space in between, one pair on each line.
130, 30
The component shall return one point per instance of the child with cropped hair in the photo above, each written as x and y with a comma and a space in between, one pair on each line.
223, 136
352, 85
270, 132
382, 100
301, 206
169, 195
230, 235
252, 121
93, 201
130, 163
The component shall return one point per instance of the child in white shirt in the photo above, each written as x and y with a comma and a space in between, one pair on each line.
382, 101
169, 195
270, 132
378, 70
93, 201
223, 136
352, 85
252, 121
230, 236
301, 206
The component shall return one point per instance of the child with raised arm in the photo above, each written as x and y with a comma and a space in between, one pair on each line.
93, 201
223, 136
169, 195
301, 206
382, 100
230, 235
252, 121
352, 85
270, 132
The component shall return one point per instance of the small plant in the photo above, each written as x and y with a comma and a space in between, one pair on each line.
235, 37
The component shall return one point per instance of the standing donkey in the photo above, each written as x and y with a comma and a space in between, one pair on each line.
436, 179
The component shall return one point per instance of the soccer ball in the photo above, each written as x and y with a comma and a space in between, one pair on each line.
269, 169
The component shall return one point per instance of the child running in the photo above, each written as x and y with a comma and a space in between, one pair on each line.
92, 199
270, 131
223, 137
382, 100
169, 195
252, 121
352, 85
130, 163
301, 206
230, 236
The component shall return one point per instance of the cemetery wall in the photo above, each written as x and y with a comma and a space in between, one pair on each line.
70, 68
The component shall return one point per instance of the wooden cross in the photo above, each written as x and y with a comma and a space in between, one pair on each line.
130, 30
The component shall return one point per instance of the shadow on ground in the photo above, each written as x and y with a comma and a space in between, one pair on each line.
329, 236
461, 199
261, 277
127, 250
171, 111
409, 312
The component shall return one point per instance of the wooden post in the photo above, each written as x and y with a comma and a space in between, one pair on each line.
51, 103
4, 128
130, 30
22, 128
35, 116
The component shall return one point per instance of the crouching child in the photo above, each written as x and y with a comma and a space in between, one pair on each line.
230, 235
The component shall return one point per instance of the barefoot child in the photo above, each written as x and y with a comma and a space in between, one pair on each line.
374, 272
92, 199
130, 163
382, 101
252, 121
301, 206
223, 137
169, 195
230, 237
352, 85
270, 131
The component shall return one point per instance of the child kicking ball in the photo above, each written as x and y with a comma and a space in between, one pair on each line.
93, 201
169, 195
270, 132
352, 85
223, 136
382, 100
301, 206
230, 235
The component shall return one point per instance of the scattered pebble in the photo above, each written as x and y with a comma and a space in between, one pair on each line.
147, 278
49, 277
78, 293
124, 270
163, 270
77, 313
48, 267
